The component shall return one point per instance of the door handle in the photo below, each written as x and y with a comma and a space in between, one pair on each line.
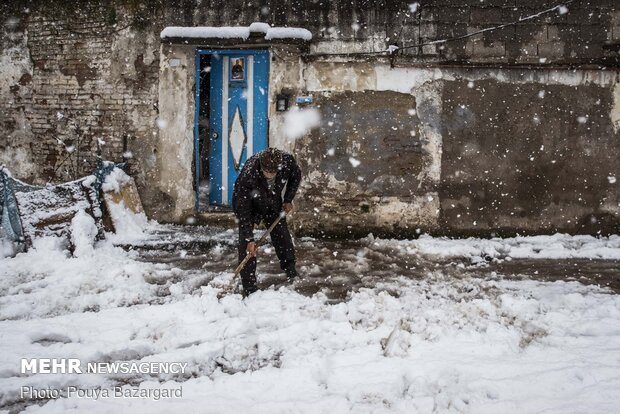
214, 135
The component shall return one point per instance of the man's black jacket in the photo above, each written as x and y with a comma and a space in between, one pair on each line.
253, 201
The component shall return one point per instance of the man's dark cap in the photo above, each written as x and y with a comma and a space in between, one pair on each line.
271, 160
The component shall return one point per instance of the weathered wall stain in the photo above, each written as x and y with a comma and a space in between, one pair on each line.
370, 156
530, 156
379, 129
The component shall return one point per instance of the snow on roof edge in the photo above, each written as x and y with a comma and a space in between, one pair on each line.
259, 27
238, 32
206, 32
288, 33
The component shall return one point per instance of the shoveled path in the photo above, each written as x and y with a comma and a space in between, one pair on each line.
337, 268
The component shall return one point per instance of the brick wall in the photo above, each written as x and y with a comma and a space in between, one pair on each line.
88, 90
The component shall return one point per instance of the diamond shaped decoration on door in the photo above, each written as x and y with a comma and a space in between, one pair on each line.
237, 138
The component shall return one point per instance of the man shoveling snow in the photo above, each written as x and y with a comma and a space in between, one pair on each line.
259, 196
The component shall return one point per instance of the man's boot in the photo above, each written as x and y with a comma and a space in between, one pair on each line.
291, 272
249, 290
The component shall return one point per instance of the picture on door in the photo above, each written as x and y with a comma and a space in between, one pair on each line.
237, 70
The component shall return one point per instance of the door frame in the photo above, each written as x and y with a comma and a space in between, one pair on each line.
211, 51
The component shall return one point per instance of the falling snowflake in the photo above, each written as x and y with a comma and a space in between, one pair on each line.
611, 179
413, 7
562, 9
162, 123
582, 119
298, 122
355, 163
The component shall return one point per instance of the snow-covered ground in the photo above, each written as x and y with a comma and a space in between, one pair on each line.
444, 342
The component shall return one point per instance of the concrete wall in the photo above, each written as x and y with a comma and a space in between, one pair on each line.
174, 145
513, 130
461, 151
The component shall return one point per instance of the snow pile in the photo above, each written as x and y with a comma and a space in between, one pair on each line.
129, 226
48, 211
441, 343
6, 247
558, 246
457, 346
239, 32
83, 233
115, 180
47, 281
298, 122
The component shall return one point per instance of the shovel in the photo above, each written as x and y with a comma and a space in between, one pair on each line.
233, 282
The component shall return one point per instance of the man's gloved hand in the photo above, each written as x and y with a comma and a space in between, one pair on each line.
252, 248
287, 207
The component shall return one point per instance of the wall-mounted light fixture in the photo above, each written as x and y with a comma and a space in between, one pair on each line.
281, 102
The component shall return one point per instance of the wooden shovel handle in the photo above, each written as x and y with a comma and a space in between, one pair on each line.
262, 238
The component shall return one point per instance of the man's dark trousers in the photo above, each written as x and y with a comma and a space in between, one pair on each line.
282, 242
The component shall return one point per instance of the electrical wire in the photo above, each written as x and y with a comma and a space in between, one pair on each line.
394, 49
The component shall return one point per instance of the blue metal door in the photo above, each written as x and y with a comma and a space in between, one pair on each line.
238, 124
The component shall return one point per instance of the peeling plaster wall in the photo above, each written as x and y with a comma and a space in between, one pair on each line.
387, 119
502, 150
285, 76
391, 128
17, 68
175, 142
615, 111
